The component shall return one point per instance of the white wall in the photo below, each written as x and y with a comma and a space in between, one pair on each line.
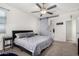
60, 34
18, 20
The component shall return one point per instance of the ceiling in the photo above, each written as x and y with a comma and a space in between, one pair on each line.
60, 9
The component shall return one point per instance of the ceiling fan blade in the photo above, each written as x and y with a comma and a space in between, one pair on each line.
53, 16
50, 13
35, 11
38, 5
51, 7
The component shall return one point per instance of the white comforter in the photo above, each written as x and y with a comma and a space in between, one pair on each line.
34, 44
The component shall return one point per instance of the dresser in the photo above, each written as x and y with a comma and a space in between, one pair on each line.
78, 46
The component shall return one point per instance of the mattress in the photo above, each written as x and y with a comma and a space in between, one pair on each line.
34, 44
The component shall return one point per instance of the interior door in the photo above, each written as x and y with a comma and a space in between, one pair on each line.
69, 31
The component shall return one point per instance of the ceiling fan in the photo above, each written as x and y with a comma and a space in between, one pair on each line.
43, 9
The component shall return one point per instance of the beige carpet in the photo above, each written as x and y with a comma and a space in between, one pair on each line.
56, 49
61, 49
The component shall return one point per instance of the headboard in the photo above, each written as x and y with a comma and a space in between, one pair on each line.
19, 31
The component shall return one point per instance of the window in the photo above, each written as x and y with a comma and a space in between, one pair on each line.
2, 20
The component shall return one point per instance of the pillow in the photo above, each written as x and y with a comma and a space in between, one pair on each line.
30, 35
22, 35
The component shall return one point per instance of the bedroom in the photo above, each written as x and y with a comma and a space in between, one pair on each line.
17, 18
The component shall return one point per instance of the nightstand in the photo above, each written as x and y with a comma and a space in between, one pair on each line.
7, 42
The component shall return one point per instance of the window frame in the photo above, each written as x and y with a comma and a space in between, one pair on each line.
5, 20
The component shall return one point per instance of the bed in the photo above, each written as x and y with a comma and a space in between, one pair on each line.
34, 44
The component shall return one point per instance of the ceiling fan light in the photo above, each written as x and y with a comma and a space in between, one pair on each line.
43, 12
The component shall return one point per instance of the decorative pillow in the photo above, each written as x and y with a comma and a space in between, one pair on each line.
22, 35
